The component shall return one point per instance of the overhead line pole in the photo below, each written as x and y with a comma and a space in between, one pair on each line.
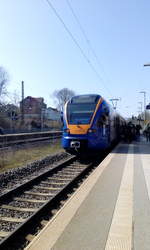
22, 106
114, 102
145, 65
144, 93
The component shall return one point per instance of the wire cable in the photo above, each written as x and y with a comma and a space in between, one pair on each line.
76, 42
85, 36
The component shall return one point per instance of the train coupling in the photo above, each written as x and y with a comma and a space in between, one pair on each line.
75, 144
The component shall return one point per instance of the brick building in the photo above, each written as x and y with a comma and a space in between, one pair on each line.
32, 112
32, 107
35, 114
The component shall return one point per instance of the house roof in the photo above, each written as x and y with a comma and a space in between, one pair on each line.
38, 99
54, 109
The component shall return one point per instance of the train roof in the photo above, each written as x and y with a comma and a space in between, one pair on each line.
88, 98
93, 99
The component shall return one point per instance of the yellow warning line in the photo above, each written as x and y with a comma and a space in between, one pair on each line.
120, 234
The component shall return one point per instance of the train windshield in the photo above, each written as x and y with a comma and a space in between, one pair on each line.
80, 113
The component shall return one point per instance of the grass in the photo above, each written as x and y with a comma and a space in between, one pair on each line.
16, 158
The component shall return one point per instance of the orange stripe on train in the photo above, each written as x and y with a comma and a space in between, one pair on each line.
78, 129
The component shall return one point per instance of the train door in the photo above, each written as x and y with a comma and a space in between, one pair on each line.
103, 128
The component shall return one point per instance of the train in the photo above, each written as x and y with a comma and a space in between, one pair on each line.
90, 124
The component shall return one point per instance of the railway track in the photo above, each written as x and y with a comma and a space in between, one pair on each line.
17, 139
25, 208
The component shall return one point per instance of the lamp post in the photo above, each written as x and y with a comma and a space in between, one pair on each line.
140, 113
140, 106
42, 117
144, 95
22, 106
146, 64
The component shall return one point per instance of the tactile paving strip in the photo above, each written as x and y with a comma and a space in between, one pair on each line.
120, 234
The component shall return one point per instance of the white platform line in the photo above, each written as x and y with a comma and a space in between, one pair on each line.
120, 234
146, 168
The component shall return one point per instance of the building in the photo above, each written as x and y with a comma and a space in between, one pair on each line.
32, 107
35, 114
32, 112
52, 114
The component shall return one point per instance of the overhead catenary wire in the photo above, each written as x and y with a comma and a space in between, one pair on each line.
76, 43
82, 30
78, 22
85, 36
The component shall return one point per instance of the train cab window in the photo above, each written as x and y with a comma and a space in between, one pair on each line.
78, 113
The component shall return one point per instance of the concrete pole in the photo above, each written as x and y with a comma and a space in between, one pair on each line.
22, 107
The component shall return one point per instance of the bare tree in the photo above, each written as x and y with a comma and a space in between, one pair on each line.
15, 98
3, 82
62, 96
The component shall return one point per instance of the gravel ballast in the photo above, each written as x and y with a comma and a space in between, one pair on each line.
14, 177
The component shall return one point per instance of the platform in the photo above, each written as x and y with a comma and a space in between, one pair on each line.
110, 210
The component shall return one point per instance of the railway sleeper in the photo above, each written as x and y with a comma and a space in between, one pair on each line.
19, 208
48, 188
53, 183
28, 200
37, 194
12, 219
4, 234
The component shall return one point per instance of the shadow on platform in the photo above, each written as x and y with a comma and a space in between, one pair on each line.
141, 146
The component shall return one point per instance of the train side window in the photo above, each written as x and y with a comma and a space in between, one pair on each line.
104, 130
99, 123
106, 111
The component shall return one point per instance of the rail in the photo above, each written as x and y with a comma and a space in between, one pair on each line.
49, 189
11, 139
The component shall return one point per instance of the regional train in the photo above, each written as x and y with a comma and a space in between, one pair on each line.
90, 124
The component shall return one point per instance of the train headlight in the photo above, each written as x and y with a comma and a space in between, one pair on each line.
66, 130
91, 130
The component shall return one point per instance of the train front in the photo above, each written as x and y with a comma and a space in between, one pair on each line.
78, 118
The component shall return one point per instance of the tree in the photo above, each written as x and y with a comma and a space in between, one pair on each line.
3, 82
62, 96
14, 98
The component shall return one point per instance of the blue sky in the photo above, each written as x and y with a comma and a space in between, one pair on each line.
35, 47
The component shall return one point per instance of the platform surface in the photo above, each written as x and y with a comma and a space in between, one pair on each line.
110, 210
